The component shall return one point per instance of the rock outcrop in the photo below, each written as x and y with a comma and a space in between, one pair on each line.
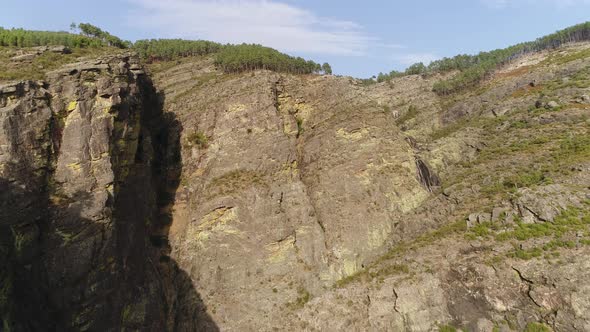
82, 161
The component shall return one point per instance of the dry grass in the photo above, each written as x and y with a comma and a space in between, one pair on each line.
40, 65
527, 90
515, 72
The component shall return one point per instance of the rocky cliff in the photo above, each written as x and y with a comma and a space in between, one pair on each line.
83, 158
176, 197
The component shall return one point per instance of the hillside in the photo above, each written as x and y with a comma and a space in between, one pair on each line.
186, 196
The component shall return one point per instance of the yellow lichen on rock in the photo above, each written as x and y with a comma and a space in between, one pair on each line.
408, 201
76, 167
110, 188
104, 104
353, 135
278, 251
289, 129
350, 267
217, 221
290, 170
236, 108
72, 106
299, 107
198, 172
73, 116
378, 235
346, 265
294, 113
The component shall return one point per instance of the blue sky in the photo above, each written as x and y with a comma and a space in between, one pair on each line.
358, 38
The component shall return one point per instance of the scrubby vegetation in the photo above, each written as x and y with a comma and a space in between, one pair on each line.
43, 63
229, 58
447, 328
474, 68
90, 41
411, 113
303, 296
537, 327
198, 138
557, 234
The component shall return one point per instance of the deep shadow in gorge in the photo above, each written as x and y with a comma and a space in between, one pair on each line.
62, 271
186, 308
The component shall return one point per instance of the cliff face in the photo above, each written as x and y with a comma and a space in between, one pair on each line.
80, 185
264, 201
278, 173
310, 202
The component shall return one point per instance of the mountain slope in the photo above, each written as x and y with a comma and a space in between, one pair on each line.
307, 180
193, 199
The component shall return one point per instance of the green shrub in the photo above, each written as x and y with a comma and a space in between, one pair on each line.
410, 114
575, 144
537, 327
570, 219
299, 126
449, 129
519, 124
526, 254
526, 179
447, 328
480, 230
303, 296
198, 138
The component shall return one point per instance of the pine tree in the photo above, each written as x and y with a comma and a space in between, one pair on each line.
327, 68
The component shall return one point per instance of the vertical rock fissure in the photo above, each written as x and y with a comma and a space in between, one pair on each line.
427, 178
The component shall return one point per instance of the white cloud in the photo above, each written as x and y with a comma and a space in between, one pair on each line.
412, 58
499, 4
267, 22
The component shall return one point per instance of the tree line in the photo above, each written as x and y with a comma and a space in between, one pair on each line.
171, 49
246, 57
475, 68
229, 58
28, 38
415, 69
90, 30
89, 36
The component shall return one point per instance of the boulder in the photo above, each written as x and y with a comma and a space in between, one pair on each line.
552, 104
472, 220
498, 213
544, 203
60, 49
484, 217
24, 57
